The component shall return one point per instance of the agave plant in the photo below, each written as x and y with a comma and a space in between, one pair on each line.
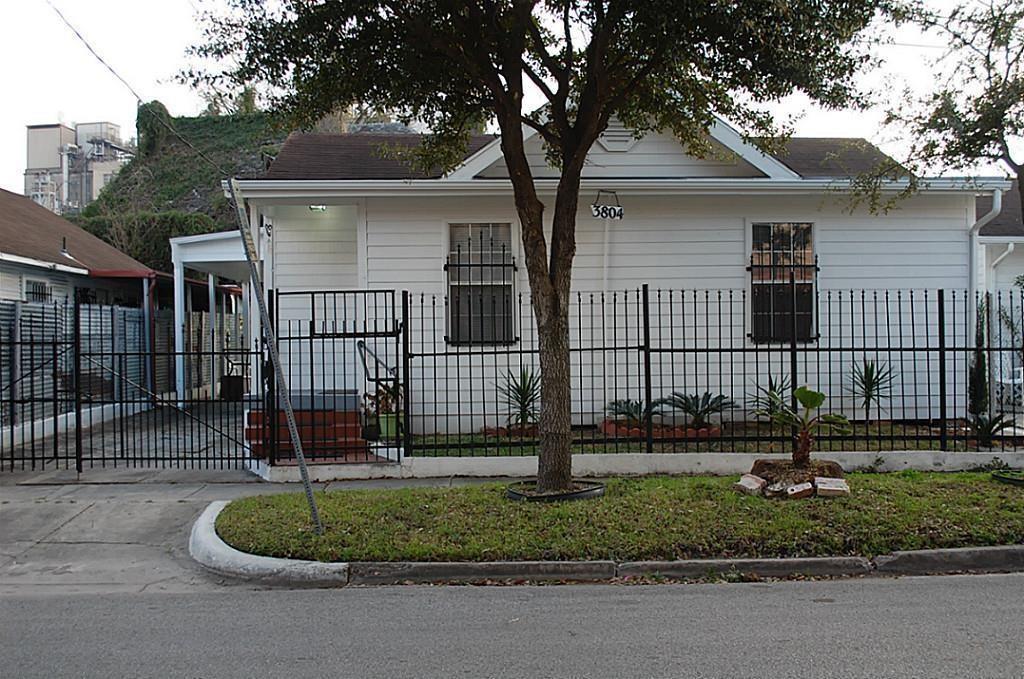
807, 423
872, 384
634, 412
765, 398
985, 428
699, 407
522, 394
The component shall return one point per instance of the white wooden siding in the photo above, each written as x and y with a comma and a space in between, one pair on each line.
12, 281
1006, 273
314, 250
669, 242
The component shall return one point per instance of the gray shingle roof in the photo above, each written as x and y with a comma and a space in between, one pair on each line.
834, 157
359, 156
1008, 222
349, 156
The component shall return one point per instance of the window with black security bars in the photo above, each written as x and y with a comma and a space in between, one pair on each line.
481, 284
783, 273
37, 291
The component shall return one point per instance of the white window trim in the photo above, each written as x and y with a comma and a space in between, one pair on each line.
748, 244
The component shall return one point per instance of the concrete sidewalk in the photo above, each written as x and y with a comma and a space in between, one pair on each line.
113, 533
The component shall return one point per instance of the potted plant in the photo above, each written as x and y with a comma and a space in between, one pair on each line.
382, 406
806, 421
522, 395
628, 417
699, 408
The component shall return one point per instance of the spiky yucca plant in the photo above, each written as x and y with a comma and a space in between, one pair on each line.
763, 400
522, 395
872, 384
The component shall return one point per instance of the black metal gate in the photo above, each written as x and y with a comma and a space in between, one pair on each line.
87, 386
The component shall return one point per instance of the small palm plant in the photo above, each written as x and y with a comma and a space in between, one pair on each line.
807, 423
872, 384
522, 395
699, 407
633, 413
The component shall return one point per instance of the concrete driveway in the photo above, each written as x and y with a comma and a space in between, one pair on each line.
120, 530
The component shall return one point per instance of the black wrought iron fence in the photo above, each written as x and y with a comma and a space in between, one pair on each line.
682, 371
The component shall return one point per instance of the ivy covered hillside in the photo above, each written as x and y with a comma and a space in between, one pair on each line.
168, 190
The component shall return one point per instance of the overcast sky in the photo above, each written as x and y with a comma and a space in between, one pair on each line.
50, 77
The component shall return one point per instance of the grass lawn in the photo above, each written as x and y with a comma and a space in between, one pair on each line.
645, 518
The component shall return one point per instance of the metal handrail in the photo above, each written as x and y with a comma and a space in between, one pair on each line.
363, 350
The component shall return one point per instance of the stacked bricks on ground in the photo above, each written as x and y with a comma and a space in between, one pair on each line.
749, 484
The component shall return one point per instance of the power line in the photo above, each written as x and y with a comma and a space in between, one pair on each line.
138, 98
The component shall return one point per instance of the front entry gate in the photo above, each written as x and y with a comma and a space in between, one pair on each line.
85, 386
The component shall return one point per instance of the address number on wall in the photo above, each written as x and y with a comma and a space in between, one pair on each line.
607, 211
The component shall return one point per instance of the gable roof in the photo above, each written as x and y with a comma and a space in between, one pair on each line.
350, 156
1009, 221
31, 231
310, 156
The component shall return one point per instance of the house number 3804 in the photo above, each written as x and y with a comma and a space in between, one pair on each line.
606, 211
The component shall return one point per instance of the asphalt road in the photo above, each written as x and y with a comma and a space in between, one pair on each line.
968, 626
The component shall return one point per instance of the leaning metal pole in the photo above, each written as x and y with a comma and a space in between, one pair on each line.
256, 283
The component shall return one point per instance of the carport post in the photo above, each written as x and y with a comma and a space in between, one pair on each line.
179, 326
211, 288
147, 335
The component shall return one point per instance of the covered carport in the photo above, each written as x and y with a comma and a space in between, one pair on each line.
219, 256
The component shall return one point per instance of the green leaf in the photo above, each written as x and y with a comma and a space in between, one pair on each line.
809, 398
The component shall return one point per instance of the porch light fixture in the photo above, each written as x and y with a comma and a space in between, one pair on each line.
318, 208
606, 210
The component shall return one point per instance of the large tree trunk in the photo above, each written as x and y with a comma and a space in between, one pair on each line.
554, 464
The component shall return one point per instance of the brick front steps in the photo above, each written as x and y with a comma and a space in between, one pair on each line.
328, 437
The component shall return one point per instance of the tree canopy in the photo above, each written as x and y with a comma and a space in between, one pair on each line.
976, 111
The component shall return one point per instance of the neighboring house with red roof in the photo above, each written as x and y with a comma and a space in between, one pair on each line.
44, 258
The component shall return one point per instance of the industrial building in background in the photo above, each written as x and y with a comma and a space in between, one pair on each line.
67, 167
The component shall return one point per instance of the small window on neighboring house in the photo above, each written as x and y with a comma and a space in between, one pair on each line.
37, 291
782, 276
481, 273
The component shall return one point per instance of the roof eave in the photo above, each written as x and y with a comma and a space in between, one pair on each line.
42, 264
318, 189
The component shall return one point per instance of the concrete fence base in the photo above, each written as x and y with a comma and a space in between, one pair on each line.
638, 464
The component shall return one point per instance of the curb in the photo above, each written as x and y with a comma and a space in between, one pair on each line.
208, 549
1001, 559
459, 572
767, 568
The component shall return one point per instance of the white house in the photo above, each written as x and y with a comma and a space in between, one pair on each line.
715, 240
